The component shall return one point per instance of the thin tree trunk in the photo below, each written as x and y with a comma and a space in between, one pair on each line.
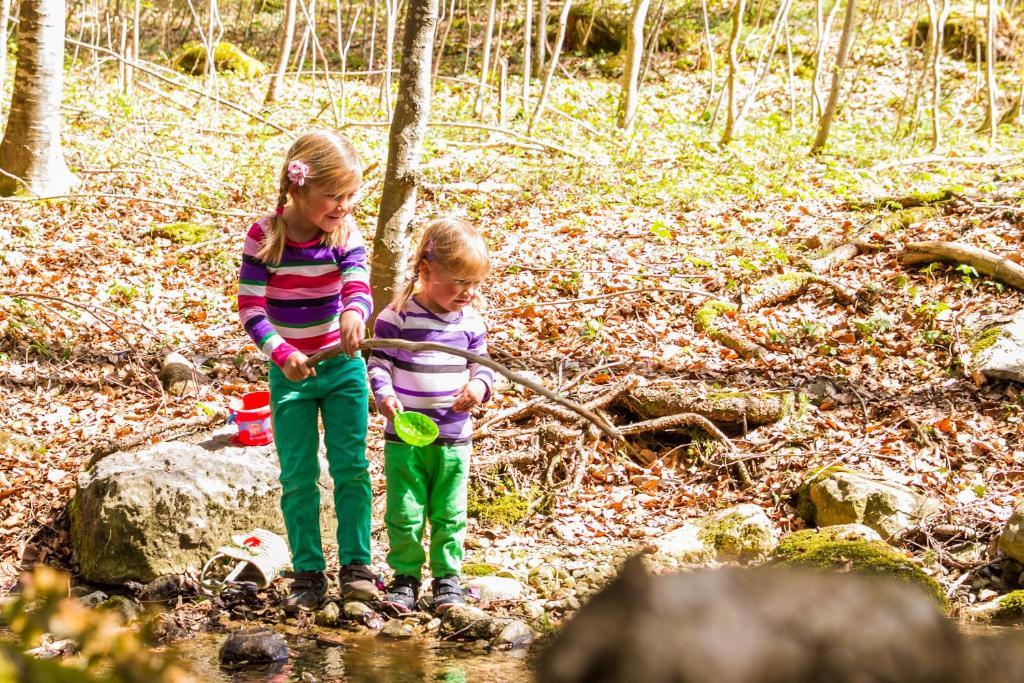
837, 76
631, 72
940, 27
405, 146
439, 53
31, 156
764, 60
527, 42
485, 64
992, 120
734, 67
391, 8
563, 20
373, 36
540, 51
137, 15
469, 36
285, 47
344, 61
789, 77
824, 28
711, 53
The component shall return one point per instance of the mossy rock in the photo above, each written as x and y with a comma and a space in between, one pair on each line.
191, 59
184, 232
479, 569
504, 510
814, 550
1006, 609
804, 505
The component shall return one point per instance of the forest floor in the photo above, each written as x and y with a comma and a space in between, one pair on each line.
94, 290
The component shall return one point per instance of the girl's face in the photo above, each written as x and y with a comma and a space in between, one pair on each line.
326, 208
445, 293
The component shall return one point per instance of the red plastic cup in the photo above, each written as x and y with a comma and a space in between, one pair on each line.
251, 412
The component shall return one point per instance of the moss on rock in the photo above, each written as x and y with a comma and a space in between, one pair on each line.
804, 504
709, 312
1011, 607
505, 510
226, 57
815, 550
184, 232
479, 569
985, 339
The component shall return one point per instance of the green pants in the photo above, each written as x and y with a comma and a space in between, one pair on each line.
338, 394
426, 484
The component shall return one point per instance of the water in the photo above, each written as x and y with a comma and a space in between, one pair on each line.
364, 658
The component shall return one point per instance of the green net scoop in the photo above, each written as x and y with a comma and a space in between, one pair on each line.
416, 429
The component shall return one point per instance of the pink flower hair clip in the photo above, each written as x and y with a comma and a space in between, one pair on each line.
297, 172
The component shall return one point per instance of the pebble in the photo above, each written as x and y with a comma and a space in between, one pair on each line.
398, 630
329, 616
251, 647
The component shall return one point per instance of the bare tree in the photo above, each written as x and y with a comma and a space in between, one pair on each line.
941, 14
631, 73
541, 49
391, 7
439, 52
845, 40
284, 50
711, 53
31, 156
563, 20
485, 65
5, 17
405, 147
527, 33
823, 28
734, 66
991, 87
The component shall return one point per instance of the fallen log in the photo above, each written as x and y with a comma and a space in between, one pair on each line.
778, 288
706, 320
890, 223
733, 408
985, 262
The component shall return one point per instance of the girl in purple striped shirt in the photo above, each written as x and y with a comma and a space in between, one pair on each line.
303, 288
428, 483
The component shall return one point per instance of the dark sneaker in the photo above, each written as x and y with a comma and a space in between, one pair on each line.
447, 592
306, 592
359, 583
401, 596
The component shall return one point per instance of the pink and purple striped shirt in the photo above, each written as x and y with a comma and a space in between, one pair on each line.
428, 381
295, 305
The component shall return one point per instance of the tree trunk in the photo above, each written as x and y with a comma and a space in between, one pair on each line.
541, 48
824, 29
940, 24
405, 146
485, 65
562, 22
391, 7
837, 77
631, 74
5, 17
527, 40
711, 54
990, 74
285, 49
734, 67
30, 154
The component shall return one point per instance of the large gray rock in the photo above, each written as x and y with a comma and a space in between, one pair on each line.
167, 508
742, 533
848, 497
999, 350
1011, 541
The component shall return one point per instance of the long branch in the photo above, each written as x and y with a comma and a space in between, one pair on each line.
602, 424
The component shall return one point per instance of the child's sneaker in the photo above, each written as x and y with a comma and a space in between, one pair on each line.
306, 592
359, 583
401, 596
447, 592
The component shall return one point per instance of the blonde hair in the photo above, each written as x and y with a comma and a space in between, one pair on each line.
453, 245
332, 162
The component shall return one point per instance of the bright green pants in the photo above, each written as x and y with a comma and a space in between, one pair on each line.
426, 484
338, 394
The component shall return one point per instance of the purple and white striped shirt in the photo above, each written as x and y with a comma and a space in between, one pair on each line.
428, 381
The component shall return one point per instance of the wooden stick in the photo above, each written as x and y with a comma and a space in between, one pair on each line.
563, 302
602, 424
985, 262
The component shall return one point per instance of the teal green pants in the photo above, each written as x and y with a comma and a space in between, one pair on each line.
426, 484
338, 394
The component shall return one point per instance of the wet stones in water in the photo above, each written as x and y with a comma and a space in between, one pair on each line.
765, 626
465, 622
398, 630
329, 616
362, 613
122, 606
515, 635
93, 599
253, 647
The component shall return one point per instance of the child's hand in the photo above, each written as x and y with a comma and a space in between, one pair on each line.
390, 406
470, 396
352, 331
295, 367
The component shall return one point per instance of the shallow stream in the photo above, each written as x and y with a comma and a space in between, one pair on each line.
362, 657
